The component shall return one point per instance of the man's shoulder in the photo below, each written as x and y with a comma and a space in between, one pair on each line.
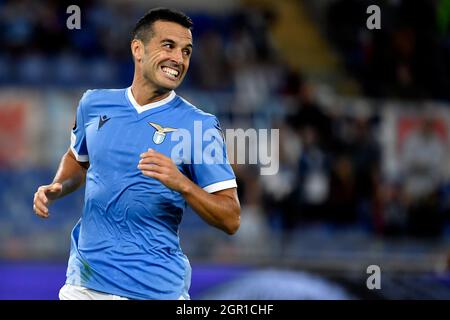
194, 112
107, 96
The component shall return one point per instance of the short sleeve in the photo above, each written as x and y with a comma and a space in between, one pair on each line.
211, 170
78, 135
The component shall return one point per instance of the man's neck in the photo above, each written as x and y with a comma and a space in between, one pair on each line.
145, 94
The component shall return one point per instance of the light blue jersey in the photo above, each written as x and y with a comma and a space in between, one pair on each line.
126, 242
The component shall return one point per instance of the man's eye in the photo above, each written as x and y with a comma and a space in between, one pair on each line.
187, 52
168, 45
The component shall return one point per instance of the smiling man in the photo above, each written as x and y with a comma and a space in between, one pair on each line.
126, 244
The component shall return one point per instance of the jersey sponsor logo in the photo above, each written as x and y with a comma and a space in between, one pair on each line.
160, 133
102, 120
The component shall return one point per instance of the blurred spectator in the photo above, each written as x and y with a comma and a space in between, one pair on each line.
211, 67
279, 192
366, 156
422, 163
309, 113
395, 211
343, 196
422, 156
313, 177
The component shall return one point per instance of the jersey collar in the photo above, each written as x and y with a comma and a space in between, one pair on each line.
151, 105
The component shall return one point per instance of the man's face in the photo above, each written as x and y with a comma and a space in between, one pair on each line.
166, 56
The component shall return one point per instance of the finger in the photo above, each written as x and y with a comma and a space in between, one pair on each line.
160, 156
42, 197
56, 187
154, 153
41, 206
154, 167
151, 167
39, 212
153, 174
146, 153
153, 159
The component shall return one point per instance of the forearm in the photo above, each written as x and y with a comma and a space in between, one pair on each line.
71, 174
220, 209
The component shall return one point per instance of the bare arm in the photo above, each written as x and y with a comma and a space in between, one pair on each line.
220, 209
71, 175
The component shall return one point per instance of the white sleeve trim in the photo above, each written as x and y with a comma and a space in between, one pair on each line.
222, 185
80, 158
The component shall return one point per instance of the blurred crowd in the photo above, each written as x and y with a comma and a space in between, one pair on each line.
406, 58
331, 162
335, 165
36, 47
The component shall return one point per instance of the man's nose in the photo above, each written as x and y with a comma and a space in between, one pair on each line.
177, 56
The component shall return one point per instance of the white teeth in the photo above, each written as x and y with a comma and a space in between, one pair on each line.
170, 71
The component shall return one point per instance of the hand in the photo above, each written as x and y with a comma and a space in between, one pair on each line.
156, 165
44, 196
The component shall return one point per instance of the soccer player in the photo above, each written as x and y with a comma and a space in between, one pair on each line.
126, 244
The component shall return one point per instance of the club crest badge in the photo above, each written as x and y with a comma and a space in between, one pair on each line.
160, 133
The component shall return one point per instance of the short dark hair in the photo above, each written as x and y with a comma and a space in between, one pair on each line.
143, 28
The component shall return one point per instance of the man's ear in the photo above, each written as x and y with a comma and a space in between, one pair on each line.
137, 49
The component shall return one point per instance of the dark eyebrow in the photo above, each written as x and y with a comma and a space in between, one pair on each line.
167, 40
173, 42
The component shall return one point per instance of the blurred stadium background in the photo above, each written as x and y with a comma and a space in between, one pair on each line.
364, 119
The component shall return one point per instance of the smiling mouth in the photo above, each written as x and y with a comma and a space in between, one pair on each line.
170, 72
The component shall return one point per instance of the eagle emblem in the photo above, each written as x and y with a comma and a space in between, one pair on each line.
160, 133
